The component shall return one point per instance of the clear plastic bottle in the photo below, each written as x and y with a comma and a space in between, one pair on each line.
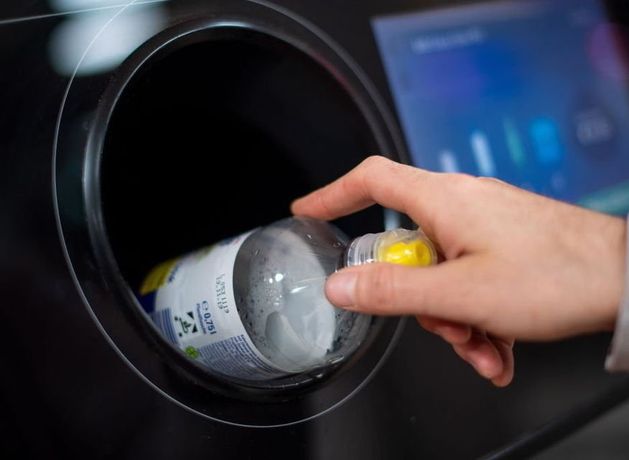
253, 307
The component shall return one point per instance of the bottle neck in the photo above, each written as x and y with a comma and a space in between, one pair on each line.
399, 246
361, 250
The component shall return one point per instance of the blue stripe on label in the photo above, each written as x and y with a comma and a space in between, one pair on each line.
163, 321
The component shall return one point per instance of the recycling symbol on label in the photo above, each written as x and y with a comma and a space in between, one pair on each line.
187, 324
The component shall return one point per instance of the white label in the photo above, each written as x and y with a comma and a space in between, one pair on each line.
195, 308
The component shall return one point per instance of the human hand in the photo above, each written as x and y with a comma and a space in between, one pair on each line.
517, 265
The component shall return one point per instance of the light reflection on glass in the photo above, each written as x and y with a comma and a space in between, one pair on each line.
76, 5
109, 41
608, 49
477, 92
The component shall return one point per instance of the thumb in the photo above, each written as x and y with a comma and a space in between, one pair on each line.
442, 291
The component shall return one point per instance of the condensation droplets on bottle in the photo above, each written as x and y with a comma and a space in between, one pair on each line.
254, 308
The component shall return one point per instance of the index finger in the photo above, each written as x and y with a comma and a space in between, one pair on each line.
377, 180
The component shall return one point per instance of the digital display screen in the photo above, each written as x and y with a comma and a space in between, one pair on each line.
532, 92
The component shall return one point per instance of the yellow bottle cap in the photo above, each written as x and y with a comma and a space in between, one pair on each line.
414, 253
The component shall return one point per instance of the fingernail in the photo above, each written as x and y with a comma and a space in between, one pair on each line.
340, 288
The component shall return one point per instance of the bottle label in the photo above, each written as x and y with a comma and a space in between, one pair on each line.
191, 301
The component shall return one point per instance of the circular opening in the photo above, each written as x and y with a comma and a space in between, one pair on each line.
210, 129
217, 137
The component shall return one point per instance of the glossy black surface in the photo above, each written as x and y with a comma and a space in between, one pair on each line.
178, 152
66, 393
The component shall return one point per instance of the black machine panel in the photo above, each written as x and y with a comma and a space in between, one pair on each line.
116, 118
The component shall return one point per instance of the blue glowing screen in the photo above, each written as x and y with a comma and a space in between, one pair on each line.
532, 92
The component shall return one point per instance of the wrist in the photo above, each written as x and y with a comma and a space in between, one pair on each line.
618, 357
612, 268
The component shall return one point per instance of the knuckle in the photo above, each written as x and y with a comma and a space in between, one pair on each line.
491, 180
378, 166
461, 180
461, 189
375, 161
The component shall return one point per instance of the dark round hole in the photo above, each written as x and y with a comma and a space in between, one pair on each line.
208, 130
218, 137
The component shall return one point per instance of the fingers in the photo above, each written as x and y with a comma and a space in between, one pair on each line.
375, 180
505, 348
446, 291
482, 355
491, 357
453, 333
